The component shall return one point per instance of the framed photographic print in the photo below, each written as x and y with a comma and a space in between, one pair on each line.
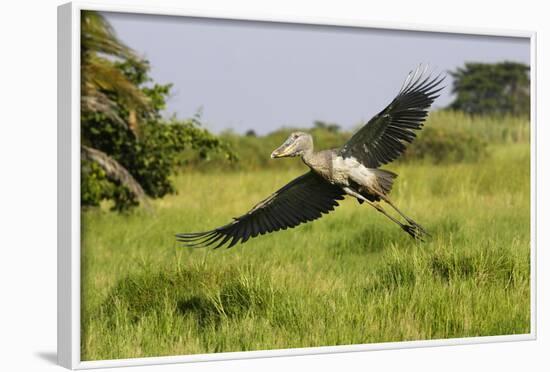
242, 186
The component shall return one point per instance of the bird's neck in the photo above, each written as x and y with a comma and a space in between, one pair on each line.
308, 157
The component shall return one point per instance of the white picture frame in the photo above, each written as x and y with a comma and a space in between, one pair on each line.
69, 187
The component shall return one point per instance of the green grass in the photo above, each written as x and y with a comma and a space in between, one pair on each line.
492, 129
350, 277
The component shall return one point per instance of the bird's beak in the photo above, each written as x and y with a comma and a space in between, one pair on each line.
281, 152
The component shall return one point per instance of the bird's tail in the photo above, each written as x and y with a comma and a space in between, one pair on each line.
385, 179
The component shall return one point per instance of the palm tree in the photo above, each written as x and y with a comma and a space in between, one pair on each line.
101, 81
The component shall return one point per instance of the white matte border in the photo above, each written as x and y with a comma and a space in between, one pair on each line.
69, 185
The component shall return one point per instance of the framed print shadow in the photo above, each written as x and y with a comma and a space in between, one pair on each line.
239, 186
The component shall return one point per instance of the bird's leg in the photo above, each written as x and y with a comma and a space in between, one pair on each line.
408, 219
413, 229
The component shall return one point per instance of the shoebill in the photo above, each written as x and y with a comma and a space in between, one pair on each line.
352, 170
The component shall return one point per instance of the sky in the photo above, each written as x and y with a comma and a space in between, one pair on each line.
261, 75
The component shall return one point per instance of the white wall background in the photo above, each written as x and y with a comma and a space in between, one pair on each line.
28, 183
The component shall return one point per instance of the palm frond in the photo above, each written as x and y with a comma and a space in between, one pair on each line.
101, 74
98, 36
114, 171
104, 87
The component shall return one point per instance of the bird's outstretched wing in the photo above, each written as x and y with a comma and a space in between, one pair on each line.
385, 136
304, 199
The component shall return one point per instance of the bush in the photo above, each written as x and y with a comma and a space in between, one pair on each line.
94, 186
443, 145
151, 158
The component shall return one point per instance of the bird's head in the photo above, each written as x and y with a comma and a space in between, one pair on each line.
297, 144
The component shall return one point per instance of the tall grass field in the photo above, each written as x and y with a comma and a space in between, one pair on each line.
352, 277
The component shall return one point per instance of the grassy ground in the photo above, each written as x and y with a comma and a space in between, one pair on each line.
351, 277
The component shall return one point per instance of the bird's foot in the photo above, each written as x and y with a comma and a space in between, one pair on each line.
415, 231
419, 227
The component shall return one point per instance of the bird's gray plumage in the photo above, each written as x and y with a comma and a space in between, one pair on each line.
351, 170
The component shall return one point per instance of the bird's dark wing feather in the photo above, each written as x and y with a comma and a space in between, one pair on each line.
304, 199
385, 136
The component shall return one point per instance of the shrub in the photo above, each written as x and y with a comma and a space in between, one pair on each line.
442, 144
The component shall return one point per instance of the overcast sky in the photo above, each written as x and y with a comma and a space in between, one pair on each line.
261, 76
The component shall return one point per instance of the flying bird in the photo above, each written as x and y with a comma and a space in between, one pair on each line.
352, 170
